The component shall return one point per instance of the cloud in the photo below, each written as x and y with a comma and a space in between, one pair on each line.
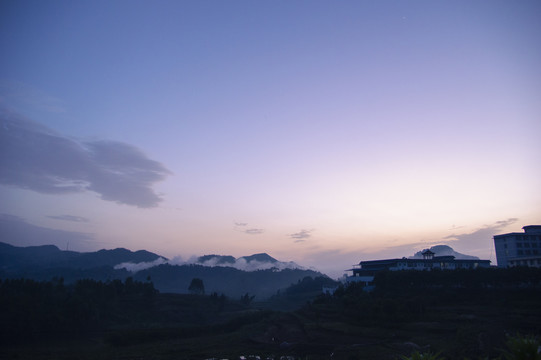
481, 237
68, 218
301, 236
135, 267
214, 261
36, 158
240, 226
254, 231
17, 231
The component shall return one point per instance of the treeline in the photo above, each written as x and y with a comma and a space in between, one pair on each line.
35, 310
309, 284
409, 295
298, 294
482, 278
465, 307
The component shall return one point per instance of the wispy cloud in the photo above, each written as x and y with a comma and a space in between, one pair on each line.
241, 227
254, 231
301, 236
68, 218
479, 238
36, 158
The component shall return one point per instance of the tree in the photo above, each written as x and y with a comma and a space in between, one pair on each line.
247, 299
197, 286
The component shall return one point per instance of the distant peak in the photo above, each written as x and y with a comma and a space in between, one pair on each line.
444, 250
261, 257
216, 259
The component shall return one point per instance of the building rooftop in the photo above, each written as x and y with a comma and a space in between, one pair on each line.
532, 229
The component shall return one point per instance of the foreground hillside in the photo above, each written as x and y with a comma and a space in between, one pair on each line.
489, 314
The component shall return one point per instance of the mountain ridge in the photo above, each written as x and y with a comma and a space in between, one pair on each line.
257, 274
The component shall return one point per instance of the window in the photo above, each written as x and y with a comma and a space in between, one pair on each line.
535, 252
534, 245
520, 252
505, 246
527, 245
528, 252
519, 245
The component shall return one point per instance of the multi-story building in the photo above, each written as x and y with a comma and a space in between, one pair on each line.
366, 270
519, 249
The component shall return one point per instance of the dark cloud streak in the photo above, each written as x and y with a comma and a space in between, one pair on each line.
68, 218
254, 231
301, 236
36, 158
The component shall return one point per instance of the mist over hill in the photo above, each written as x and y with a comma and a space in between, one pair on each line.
256, 262
258, 274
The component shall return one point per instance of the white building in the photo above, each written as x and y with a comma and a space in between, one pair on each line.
519, 249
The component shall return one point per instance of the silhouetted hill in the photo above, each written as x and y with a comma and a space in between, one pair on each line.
13, 258
227, 280
218, 259
220, 274
114, 257
263, 257
445, 250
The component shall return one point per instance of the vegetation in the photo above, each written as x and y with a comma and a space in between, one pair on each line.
36, 310
410, 315
523, 348
197, 287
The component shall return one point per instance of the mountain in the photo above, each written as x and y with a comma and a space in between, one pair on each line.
255, 262
216, 259
260, 258
258, 274
13, 257
49, 256
444, 250
227, 280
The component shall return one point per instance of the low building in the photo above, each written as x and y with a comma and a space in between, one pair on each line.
366, 270
519, 249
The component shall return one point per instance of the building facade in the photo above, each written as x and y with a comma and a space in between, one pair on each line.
519, 249
366, 270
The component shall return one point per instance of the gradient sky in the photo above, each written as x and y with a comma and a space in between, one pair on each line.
321, 132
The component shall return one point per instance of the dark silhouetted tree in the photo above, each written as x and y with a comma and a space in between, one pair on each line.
197, 286
247, 299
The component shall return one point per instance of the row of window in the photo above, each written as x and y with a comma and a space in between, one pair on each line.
533, 238
524, 238
527, 245
532, 262
528, 252
441, 265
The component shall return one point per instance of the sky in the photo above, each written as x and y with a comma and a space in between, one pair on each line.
319, 132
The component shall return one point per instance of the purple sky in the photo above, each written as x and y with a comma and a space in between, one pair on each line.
320, 132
